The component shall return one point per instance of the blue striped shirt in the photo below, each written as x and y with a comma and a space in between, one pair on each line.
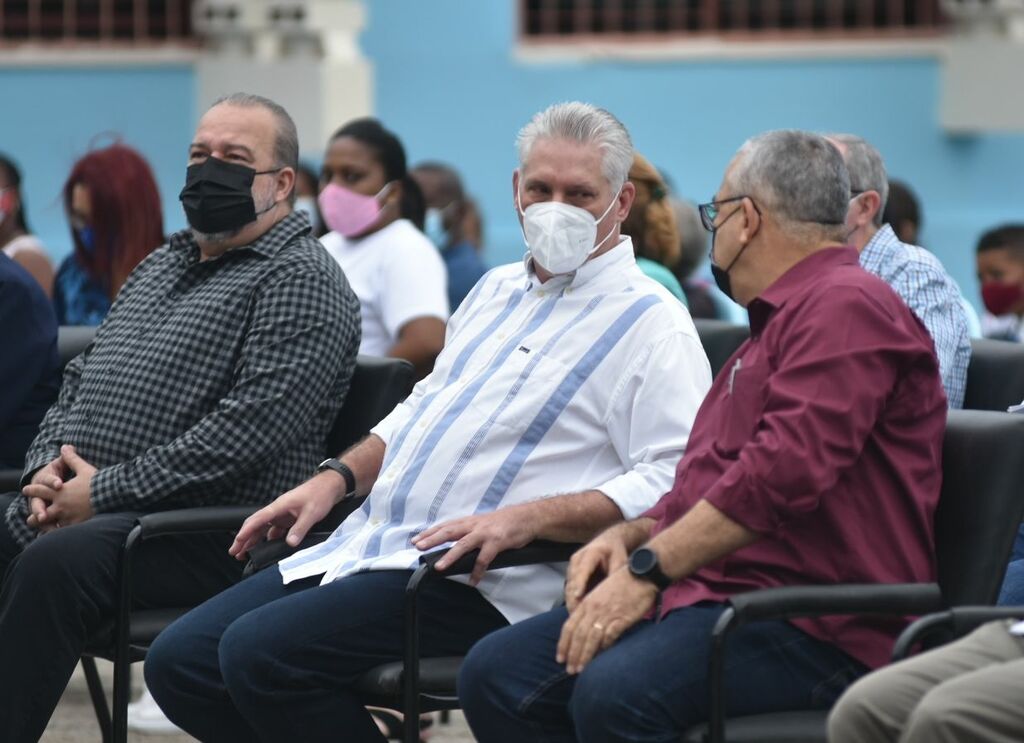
588, 381
932, 294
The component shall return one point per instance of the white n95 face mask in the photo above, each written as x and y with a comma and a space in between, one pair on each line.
561, 236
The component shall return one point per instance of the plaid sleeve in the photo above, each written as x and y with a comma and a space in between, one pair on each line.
294, 348
46, 445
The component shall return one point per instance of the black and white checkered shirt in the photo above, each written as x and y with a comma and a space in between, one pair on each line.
209, 382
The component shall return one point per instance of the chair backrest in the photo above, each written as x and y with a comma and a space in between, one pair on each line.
720, 340
981, 505
377, 386
995, 377
72, 340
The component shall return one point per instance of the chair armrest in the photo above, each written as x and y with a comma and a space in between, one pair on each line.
958, 621
791, 602
194, 520
537, 551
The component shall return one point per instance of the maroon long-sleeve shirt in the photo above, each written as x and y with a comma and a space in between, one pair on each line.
823, 434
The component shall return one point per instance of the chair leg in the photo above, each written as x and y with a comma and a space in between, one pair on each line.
122, 695
98, 696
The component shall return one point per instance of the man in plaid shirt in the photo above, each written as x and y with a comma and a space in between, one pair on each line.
214, 380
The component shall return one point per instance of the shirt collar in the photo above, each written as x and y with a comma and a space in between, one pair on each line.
618, 257
795, 281
878, 246
268, 244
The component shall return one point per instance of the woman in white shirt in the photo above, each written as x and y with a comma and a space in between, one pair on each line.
16, 241
375, 213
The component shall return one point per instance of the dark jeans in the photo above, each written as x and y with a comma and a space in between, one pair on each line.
273, 662
1012, 592
59, 590
650, 686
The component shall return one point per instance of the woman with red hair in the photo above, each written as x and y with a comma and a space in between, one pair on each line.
113, 207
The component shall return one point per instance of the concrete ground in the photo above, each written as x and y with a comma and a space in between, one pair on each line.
75, 722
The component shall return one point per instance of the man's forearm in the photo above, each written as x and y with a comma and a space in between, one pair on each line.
575, 517
365, 460
702, 536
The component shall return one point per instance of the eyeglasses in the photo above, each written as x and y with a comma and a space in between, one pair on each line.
709, 212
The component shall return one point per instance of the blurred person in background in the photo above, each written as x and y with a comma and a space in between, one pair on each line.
16, 240
903, 212
693, 250
443, 224
29, 365
306, 189
651, 224
913, 273
473, 225
375, 211
1000, 261
113, 207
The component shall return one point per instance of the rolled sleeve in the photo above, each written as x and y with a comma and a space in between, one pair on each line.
671, 376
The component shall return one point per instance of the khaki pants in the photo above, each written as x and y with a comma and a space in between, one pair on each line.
970, 690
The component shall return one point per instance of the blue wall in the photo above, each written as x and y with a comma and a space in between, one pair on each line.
448, 83
52, 114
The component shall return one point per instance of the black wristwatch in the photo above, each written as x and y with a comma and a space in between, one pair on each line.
643, 564
342, 469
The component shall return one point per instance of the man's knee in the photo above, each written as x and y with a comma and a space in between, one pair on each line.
852, 716
250, 658
479, 685
611, 704
942, 714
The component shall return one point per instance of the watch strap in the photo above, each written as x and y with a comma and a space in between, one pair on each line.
342, 469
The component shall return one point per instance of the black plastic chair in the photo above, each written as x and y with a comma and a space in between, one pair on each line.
949, 625
975, 525
377, 385
995, 376
71, 341
415, 685
720, 340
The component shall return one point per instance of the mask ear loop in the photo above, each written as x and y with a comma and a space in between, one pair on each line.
615, 200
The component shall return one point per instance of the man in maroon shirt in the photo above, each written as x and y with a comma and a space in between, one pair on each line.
815, 459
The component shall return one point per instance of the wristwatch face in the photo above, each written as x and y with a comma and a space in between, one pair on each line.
643, 561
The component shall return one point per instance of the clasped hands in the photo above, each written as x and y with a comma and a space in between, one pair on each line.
58, 494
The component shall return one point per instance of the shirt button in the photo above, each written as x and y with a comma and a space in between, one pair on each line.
540, 293
375, 521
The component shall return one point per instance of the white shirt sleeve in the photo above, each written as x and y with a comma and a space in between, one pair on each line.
414, 283
650, 419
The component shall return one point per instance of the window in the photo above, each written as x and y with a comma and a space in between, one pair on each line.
103, 21
567, 20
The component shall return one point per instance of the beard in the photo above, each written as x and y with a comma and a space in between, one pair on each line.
263, 203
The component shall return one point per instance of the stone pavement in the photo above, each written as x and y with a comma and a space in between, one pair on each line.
75, 722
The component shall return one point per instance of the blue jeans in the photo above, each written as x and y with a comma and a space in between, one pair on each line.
1012, 592
265, 661
650, 686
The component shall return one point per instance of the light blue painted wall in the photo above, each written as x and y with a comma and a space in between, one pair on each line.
51, 115
448, 82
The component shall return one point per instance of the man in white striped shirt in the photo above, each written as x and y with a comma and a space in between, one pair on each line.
561, 403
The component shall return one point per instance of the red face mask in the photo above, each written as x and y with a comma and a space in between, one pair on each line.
1000, 297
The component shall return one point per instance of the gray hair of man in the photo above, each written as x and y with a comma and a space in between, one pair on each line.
585, 123
867, 171
799, 177
286, 137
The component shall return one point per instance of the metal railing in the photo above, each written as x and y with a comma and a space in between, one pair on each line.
569, 20
95, 21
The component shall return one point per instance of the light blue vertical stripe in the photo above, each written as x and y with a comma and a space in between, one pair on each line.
558, 401
460, 364
478, 437
412, 472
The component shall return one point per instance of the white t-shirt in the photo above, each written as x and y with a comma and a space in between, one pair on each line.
398, 276
23, 243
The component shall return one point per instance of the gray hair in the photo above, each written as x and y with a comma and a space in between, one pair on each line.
799, 176
867, 171
585, 123
286, 138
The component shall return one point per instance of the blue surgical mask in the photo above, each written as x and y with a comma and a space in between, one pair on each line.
87, 238
433, 227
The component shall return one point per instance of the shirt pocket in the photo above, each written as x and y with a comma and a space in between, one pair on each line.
743, 404
520, 389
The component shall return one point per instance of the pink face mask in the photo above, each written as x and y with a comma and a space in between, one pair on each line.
348, 212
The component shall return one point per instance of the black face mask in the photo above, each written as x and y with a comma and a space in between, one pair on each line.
217, 196
721, 275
